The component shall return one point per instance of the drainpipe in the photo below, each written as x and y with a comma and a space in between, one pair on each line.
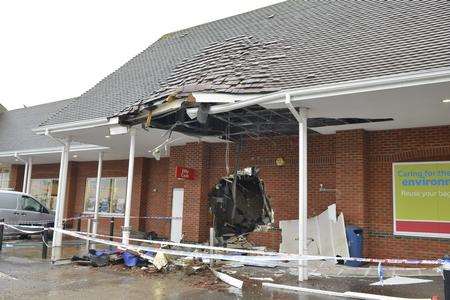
97, 194
126, 223
301, 117
25, 172
30, 168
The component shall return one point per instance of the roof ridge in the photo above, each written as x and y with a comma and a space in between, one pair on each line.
40, 105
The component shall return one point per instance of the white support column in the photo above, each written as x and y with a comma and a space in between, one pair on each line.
60, 202
25, 178
301, 117
30, 169
302, 193
126, 223
97, 193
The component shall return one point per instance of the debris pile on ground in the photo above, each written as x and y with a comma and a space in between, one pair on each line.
238, 242
326, 235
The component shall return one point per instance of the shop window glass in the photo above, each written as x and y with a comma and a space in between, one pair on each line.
112, 195
4, 177
46, 191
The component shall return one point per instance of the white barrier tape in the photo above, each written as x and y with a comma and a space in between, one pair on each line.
25, 226
121, 217
193, 246
293, 256
265, 256
137, 248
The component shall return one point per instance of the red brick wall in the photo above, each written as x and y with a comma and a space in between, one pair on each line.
385, 148
16, 177
351, 176
195, 209
157, 204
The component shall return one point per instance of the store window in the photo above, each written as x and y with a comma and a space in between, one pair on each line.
45, 190
112, 195
4, 177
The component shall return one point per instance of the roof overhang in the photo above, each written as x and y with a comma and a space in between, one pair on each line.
52, 154
78, 125
384, 102
339, 89
411, 99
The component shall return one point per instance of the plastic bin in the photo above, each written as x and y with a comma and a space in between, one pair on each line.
130, 260
355, 244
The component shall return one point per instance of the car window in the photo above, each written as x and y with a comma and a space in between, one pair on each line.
30, 204
8, 201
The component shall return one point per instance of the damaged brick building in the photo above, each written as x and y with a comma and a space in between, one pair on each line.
371, 102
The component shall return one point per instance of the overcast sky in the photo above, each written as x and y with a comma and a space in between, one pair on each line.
53, 49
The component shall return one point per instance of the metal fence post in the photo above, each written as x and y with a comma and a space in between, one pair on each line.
1, 233
111, 230
211, 243
88, 234
44, 242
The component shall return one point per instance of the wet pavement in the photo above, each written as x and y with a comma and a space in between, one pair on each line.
23, 275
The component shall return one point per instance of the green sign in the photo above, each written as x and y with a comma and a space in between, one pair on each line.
422, 198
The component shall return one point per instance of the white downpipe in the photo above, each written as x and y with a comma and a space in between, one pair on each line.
126, 223
30, 169
97, 192
25, 177
60, 202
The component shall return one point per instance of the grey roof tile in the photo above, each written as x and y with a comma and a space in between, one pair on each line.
16, 126
284, 43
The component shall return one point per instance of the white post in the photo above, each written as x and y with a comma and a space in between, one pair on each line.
126, 223
302, 193
25, 178
59, 214
97, 193
30, 168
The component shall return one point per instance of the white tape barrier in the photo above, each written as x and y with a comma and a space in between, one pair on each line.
263, 256
137, 248
347, 295
121, 217
20, 228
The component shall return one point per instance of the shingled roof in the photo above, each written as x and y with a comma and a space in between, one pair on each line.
16, 127
287, 45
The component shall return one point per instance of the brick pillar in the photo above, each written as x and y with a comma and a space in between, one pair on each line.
71, 190
350, 176
138, 192
195, 205
16, 177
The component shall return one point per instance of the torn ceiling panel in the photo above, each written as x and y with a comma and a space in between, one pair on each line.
251, 121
